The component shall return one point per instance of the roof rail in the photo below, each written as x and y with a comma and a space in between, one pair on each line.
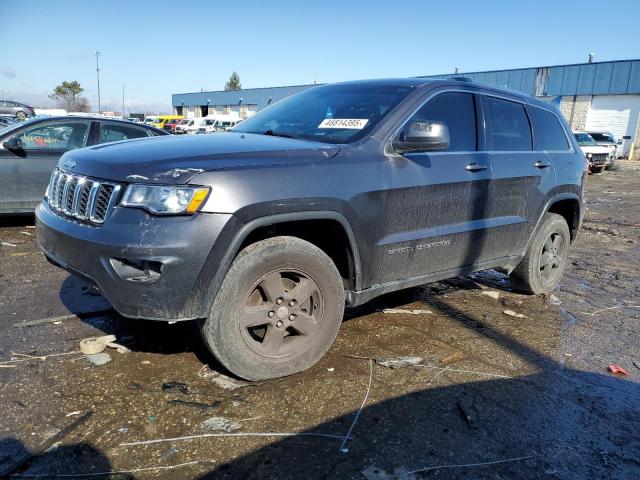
461, 79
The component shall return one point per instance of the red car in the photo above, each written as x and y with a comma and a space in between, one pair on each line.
170, 125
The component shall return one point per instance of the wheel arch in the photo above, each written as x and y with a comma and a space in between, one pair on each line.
568, 206
304, 225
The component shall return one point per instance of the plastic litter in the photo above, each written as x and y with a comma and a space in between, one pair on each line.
175, 387
491, 293
221, 424
224, 382
511, 313
617, 370
92, 345
398, 362
99, 358
199, 405
407, 312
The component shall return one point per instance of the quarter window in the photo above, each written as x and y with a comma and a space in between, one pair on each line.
115, 133
508, 126
458, 112
55, 136
549, 134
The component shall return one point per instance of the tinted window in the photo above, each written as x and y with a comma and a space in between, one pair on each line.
114, 133
602, 137
55, 136
548, 131
507, 125
457, 110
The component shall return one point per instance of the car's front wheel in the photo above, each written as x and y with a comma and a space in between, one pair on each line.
278, 309
542, 266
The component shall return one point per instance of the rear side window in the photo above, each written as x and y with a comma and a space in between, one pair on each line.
457, 110
549, 134
115, 133
508, 126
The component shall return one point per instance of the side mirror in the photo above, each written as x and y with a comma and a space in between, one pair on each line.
423, 136
13, 144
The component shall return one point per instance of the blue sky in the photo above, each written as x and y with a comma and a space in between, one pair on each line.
161, 47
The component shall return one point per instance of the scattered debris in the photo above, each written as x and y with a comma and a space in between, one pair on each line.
407, 312
200, 405
145, 362
553, 300
38, 450
175, 386
221, 424
31, 323
473, 372
72, 414
28, 234
235, 434
375, 473
7, 244
343, 447
99, 359
330, 369
511, 313
440, 467
617, 370
169, 452
92, 345
610, 308
491, 293
453, 357
134, 386
398, 362
152, 418
437, 375
32, 357
637, 365
224, 382
466, 407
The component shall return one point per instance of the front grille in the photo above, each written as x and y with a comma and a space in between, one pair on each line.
81, 198
599, 157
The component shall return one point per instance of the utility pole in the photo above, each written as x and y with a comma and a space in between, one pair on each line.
97, 54
123, 101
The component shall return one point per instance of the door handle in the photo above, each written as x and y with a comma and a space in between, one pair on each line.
542, 164
475, 167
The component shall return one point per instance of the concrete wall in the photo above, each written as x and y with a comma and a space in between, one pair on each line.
575, 109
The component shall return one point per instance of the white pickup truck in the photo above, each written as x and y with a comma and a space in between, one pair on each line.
218, 123
598, 156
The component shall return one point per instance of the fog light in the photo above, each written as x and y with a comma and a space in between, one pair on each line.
137, 270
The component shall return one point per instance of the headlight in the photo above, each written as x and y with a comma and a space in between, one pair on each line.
589, 155
165, 199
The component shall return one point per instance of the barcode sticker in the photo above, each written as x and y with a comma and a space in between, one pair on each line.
352, 123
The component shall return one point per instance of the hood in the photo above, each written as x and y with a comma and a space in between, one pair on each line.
176, 159
594, 149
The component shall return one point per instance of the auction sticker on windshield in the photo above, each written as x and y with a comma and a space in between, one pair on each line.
353, 123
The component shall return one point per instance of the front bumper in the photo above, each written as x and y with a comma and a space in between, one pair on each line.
173, 256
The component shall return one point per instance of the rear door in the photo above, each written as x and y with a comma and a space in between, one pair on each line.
30, 168
115, 132
522, 176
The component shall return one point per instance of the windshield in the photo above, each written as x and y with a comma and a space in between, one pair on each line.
584, 139
332, 113
15, 126
602, 137
209, 122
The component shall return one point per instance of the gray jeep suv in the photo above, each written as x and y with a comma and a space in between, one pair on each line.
329, 197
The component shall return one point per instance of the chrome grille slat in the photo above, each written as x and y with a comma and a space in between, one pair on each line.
80, 198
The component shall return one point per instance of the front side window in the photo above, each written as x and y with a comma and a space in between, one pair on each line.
458, 112
55, 136
508, 128
115, 133
331, 113
549, 134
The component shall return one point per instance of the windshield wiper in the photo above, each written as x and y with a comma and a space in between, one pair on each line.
273, 133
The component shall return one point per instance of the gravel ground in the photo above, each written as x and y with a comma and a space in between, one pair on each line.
497, 396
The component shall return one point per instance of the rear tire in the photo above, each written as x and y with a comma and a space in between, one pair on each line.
21, 115
278, 309
543, 265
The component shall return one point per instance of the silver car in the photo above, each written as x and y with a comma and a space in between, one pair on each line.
18, 110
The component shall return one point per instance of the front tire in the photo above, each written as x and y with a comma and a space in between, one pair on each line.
278, 309
543, 265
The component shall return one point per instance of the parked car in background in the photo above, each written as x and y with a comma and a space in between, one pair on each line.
208, 125
598, 156
18, 110
134, 120
608, 139
188, 125
30, 150
218, 123
170, 125
334, 195
162, 119
226, 125
150, 120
